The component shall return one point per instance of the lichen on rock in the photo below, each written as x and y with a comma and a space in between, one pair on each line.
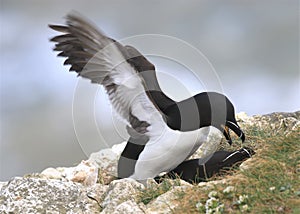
120, 191
36, 195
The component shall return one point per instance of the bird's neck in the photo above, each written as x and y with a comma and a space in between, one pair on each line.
160, 100
154, 92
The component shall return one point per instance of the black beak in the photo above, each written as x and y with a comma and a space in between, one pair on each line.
235, 128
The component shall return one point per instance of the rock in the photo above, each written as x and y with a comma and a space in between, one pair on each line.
2, 184
105, 160
129, 206
101, 166
247, 164
242, 117
166, 202
283, 123
86, 173
36, 195
211, 184
118, 148
174, 182
96, 192
120, 191
51, 173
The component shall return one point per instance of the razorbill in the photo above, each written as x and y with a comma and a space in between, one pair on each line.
200, 110
104, 61
197, 112
194, 171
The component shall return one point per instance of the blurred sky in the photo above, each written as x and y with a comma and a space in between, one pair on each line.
253, 46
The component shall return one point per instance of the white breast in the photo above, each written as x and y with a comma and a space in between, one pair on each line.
168, 151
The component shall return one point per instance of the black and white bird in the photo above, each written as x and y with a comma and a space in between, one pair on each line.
163, 133
194, 171
207, 111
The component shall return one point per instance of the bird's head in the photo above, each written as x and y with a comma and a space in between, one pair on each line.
231, 124
223, 116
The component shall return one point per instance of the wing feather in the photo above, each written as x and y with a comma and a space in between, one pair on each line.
103, 60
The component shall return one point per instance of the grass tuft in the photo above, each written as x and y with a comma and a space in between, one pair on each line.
148, 194
268, 183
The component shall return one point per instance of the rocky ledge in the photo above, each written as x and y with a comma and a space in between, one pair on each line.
91, 187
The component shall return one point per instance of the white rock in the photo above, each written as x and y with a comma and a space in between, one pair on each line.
129, 206
36, 195
120, 191
96, 192
106, 160
211, 184
242, 116
118, 148
86, 173
246, 164
165, 203
2, 184
51, 173
176, 182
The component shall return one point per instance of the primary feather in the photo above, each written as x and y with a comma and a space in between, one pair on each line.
97, 57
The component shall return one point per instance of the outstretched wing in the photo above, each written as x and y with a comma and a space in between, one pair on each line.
101, 59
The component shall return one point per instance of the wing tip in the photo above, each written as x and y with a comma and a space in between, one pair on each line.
59, 28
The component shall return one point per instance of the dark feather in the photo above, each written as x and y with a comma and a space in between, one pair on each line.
137, 125
63, 38
59, 28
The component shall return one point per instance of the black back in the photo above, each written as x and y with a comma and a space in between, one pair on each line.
204, 109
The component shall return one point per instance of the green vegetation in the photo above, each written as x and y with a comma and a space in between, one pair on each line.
149, 194
269, 182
